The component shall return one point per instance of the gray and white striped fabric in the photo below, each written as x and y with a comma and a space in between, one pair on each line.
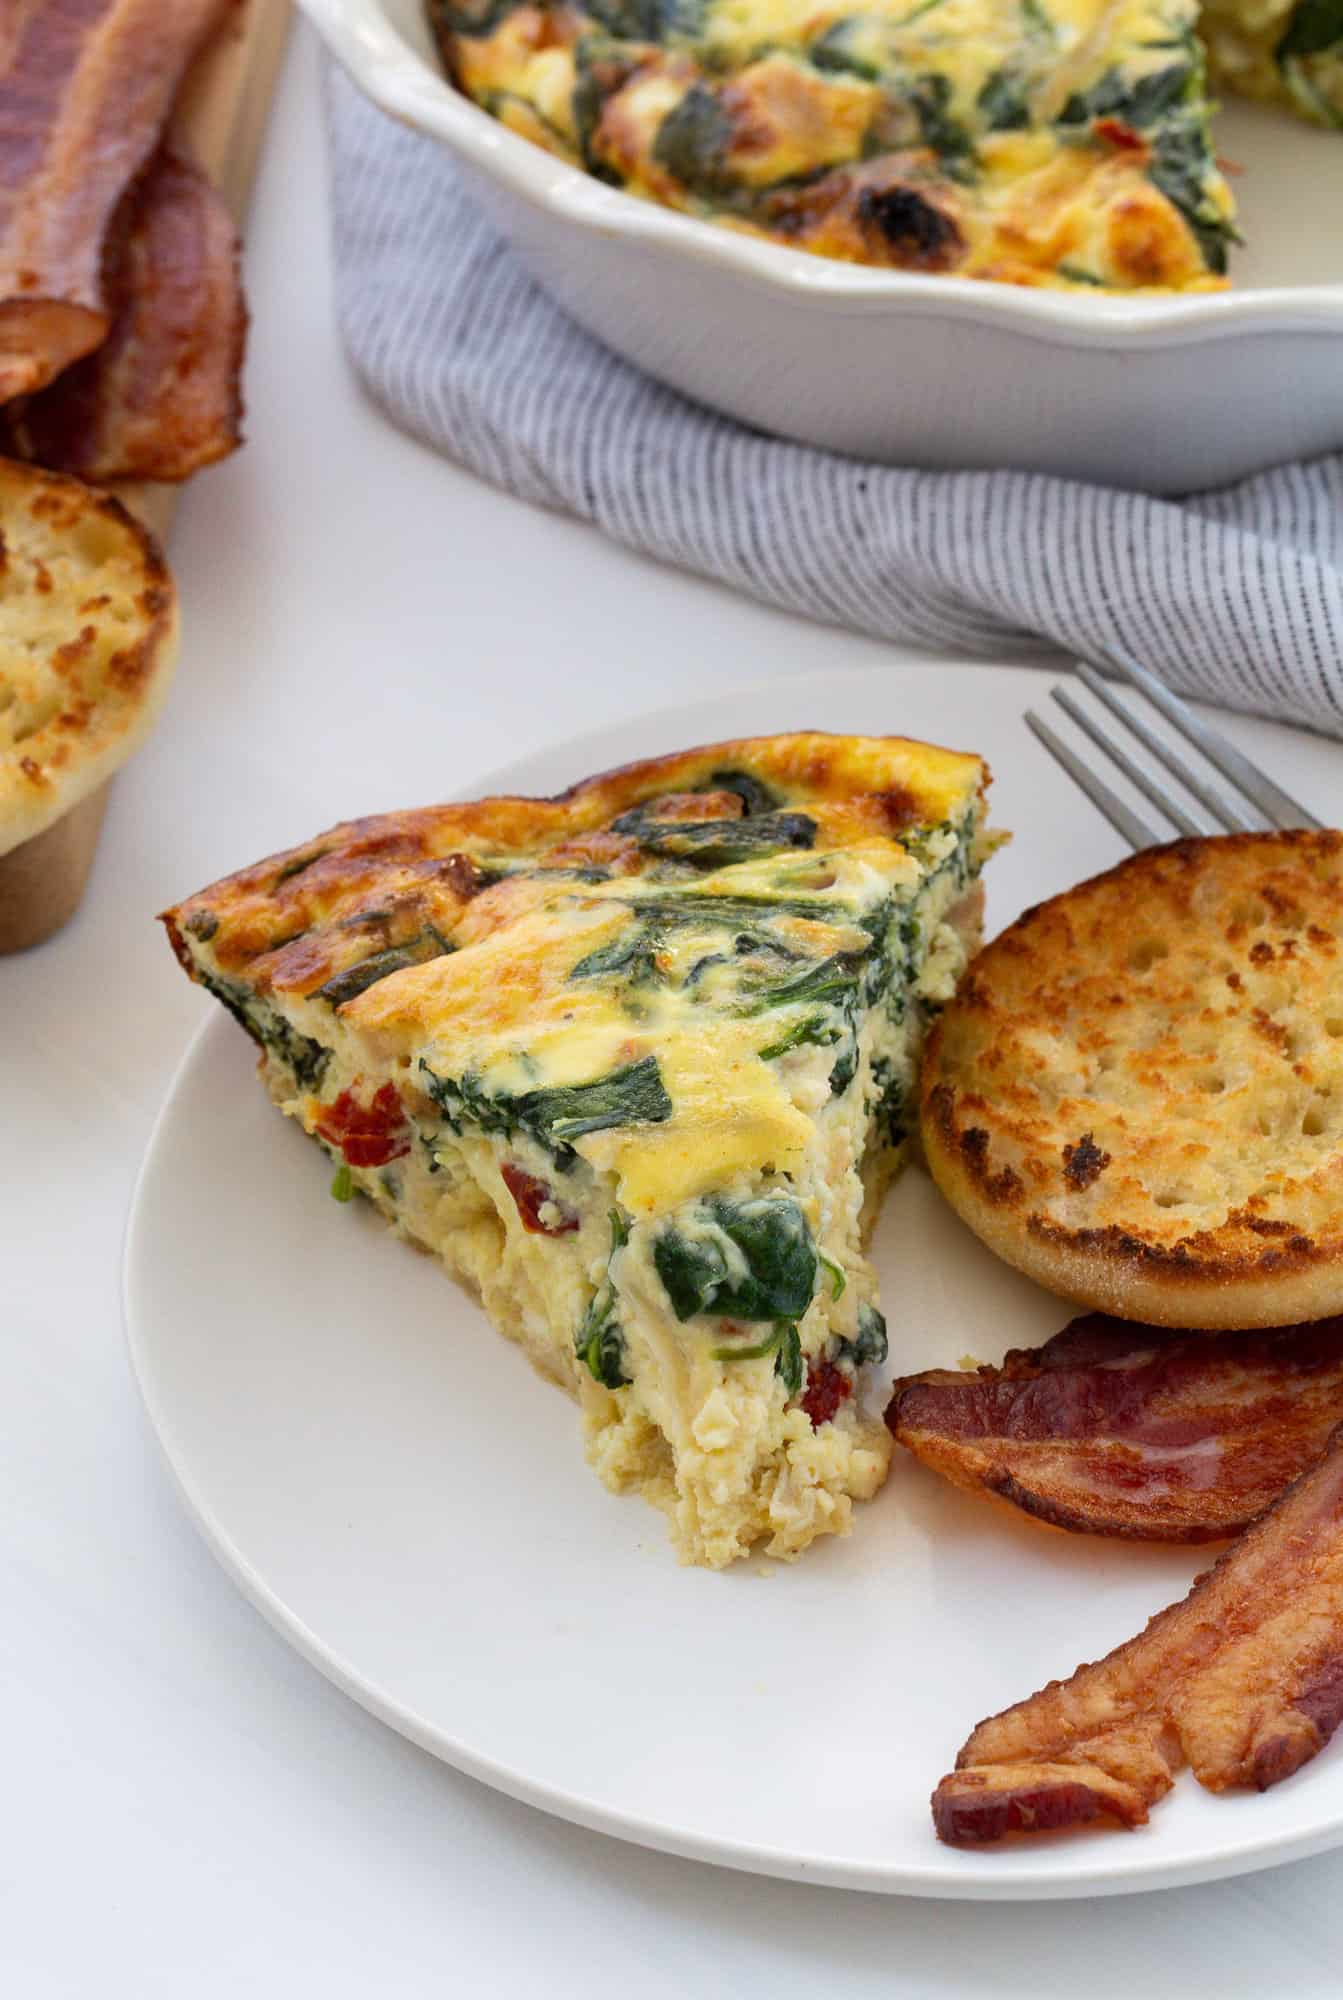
1237, 596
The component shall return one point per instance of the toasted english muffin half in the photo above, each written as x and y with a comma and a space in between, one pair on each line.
1136, 1096
88, 638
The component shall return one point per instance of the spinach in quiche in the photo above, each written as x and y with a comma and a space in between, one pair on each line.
934, 137
622, 1061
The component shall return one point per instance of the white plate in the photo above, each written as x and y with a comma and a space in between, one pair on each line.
387, 1480
1166, 393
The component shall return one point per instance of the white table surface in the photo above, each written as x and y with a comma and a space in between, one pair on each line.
187, 1808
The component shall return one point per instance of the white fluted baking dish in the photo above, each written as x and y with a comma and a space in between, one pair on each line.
1166, 393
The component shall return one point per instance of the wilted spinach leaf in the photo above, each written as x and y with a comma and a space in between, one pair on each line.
1316, 25
889, 1110
813, 1030
870, 1345
743, 1260
717, 843
1180, 165
630, 955
834, 51
943, 134
788, 1361
837, 981
304, 1056
1138, 105
599, 1342
554, 1116
1004, 101
381, 964
694, 140
784, 1344
755, 796
648, 20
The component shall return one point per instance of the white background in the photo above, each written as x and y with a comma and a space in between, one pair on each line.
186, 1808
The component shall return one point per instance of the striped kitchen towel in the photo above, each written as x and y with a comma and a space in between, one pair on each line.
1236, 596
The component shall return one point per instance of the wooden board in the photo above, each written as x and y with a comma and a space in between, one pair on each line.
221, 115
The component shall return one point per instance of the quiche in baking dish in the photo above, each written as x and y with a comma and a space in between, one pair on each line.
636, 1063
1038, 142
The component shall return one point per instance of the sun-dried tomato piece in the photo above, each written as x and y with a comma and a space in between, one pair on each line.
827, 1387
1121, 135
532, 1194
368, 1135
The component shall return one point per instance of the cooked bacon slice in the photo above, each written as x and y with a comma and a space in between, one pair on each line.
1117, 1429
1243, 1679
160, 398
85, 89
972, 1807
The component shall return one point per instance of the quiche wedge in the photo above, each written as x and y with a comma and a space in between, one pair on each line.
636, 1063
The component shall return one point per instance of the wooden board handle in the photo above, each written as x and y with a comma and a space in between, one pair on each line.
221, 115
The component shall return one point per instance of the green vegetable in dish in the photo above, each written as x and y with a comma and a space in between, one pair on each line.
599, 1342
752, 1260
1315, 26
554, 1116
306, 1058
717, 843
694, 140
756, 797
784, 1343
838, 1280
356, 979
870, 1345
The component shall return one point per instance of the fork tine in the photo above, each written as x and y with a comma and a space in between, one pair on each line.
1147, 785
1213, 801
1125, 823
1277, 806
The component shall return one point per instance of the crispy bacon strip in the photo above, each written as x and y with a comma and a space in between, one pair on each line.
85, 89
1243, 1679
1118, 1429
161, 397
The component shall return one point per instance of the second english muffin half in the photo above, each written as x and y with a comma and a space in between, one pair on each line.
1136, 1096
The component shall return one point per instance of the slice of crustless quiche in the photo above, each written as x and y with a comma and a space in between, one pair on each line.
636, 1063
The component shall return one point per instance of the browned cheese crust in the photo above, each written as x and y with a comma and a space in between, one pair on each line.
294, 921
1137, 1095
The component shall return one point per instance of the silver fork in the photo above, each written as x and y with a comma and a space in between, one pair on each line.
1261, 803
